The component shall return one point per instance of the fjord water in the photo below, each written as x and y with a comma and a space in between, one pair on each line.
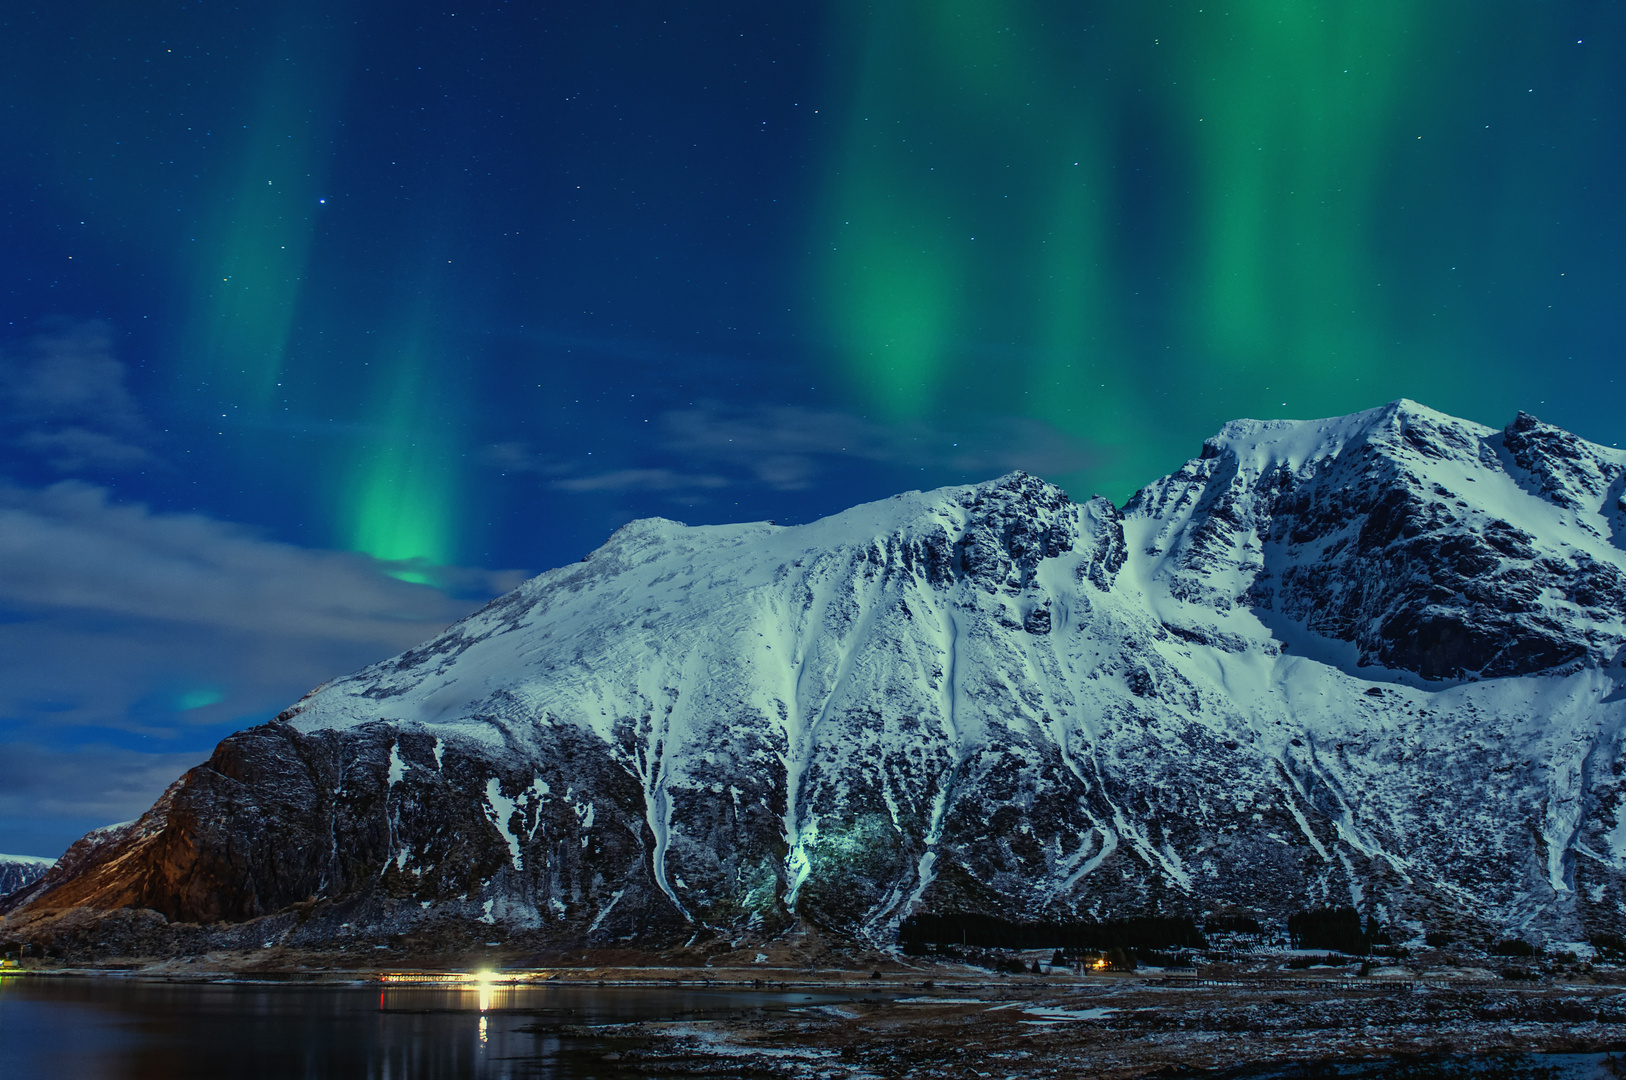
127, 1029
123, 1029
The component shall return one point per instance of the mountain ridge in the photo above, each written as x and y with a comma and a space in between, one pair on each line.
16, 871
1374, 660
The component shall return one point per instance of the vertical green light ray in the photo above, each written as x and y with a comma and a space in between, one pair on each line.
400, 491
935, 81
898, 298
251, 260
1077, 382
1217, 240
976, 196
1293, 107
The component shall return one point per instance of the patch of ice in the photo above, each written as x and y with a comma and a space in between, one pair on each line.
1053, 1015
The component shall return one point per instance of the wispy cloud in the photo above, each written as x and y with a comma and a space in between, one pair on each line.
100, 784
141, 637
519, 457
65, 399
69, 547
783, 446
713, 446
642, 480
72, 449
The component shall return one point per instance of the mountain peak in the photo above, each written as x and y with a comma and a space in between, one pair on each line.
1246, 691
1263, 445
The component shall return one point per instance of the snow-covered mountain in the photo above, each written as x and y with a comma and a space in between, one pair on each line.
19, 870
1375, 660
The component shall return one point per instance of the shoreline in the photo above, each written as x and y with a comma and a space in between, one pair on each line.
691, 977
936, 1023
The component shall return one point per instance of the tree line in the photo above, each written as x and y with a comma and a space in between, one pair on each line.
1336, 928
920, 932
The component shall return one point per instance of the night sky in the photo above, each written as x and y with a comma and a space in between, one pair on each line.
321, 323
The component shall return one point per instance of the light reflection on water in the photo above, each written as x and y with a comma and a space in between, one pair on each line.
122, 1029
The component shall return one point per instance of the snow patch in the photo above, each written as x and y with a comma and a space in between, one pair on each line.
1617, 837
605, 910
1304, 826
501, 809
1054, 1015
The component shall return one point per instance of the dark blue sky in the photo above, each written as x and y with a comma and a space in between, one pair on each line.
321, 322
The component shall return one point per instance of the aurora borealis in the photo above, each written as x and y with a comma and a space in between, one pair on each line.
1126, 214
410, 295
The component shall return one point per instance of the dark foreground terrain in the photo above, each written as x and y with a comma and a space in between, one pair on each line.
1133, 1028
884, 1017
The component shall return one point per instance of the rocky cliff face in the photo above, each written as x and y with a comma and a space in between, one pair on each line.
1373, 660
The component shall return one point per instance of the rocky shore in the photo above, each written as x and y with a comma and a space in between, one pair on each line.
1132, 1028
846, 1016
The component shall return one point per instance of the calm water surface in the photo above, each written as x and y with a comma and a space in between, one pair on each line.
118, 1029
122, 1029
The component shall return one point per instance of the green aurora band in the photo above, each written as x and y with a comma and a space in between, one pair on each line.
395, 493
1111, 215
1132, 220
401, 489
249, 267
